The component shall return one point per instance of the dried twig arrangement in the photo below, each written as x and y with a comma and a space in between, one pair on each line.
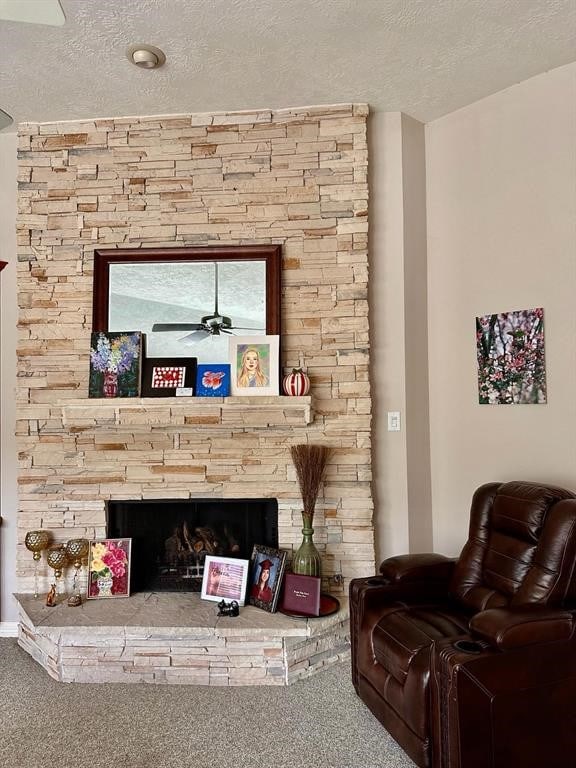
310, 462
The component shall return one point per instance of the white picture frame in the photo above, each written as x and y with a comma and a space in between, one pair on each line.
224, 578
254, 365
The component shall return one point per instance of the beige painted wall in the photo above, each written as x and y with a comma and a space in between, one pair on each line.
416, 423
386, 301
402, 497
8, 463
501, 236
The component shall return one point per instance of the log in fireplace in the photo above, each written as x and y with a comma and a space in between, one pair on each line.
171, 537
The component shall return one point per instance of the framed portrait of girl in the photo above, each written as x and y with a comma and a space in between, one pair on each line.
266, 572
254, 364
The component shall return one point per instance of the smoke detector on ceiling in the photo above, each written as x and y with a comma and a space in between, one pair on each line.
145, 56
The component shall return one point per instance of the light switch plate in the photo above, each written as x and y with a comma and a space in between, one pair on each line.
393, 421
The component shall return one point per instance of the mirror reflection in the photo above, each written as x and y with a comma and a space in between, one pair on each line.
188, 308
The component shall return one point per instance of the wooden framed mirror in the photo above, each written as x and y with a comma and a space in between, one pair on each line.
188, 301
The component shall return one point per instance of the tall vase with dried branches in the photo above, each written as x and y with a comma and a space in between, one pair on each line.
310, 463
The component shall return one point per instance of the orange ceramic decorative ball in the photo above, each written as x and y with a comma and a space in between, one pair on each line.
296, 384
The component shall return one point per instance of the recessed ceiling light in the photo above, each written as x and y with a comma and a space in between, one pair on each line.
145, 56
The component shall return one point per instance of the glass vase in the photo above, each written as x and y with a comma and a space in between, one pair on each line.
306, 560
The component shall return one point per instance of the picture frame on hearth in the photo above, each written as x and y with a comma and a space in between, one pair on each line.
109, 563
169, 376
224, 578
266, 573
255, 367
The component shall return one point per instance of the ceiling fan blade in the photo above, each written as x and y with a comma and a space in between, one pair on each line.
5, 119
33, 12
243, 328
177, 327
194, 337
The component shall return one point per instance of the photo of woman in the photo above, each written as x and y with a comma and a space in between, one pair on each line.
255, 365
261, 588
267, 571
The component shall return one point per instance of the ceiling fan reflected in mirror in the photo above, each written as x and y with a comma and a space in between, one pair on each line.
209, 325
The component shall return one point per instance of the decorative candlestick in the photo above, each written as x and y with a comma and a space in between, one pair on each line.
76, 551
57, 559
36, 541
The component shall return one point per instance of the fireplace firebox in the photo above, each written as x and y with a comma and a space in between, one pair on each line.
171, 537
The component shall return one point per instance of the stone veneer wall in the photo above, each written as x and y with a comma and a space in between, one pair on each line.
297, 177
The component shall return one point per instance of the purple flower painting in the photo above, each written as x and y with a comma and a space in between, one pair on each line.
115, 360
510, 353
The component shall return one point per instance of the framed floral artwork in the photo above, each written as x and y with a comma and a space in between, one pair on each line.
213, 380
115, 364
254, 362
224, 578
164, 376
510, 354
266, 572
109, 568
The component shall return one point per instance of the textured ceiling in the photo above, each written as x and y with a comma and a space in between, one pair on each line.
422, 57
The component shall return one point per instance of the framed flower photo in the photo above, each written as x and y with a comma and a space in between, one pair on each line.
266, 573
213, 380
165, 376
109, 568
224, 578
254, 362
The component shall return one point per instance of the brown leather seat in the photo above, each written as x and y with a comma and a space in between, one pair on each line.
471, 663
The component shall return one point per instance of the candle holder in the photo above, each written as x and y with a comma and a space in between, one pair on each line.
57, 559
76, 551
35, 542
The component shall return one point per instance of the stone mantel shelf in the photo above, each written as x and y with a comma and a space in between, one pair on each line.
177, 412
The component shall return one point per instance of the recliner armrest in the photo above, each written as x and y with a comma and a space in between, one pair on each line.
424, 567
508, 628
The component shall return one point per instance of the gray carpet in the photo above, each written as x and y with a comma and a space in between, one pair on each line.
316, 722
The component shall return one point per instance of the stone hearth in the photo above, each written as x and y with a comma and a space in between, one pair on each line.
177, 639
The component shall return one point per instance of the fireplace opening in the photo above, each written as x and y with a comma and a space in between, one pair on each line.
171, 537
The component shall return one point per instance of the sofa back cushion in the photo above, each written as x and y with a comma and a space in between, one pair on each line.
521, 547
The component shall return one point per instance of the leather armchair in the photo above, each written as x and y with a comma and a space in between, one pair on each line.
471, 663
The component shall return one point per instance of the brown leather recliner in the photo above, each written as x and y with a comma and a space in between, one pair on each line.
472, 663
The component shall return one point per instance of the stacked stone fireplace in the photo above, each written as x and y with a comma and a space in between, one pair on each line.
295, 177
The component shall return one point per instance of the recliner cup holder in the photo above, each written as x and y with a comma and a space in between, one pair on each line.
468, 646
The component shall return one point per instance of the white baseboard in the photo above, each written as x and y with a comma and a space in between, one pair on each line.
8, 629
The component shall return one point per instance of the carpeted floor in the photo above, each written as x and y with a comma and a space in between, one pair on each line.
316, 722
